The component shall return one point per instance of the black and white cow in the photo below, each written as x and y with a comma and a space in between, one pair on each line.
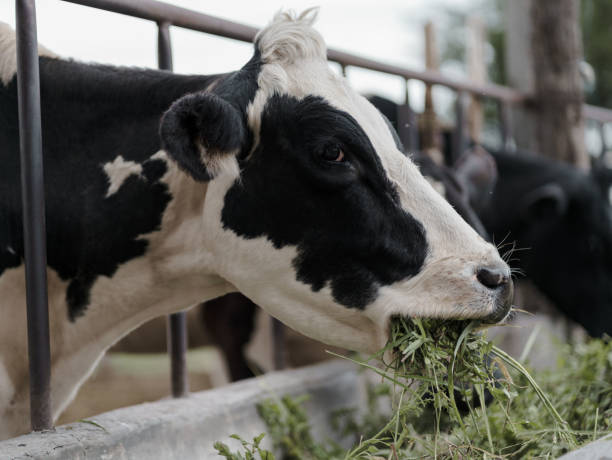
277, 180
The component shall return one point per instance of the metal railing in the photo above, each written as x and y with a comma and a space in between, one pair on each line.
166, 15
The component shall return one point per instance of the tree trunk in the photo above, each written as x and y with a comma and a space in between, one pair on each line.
556, 53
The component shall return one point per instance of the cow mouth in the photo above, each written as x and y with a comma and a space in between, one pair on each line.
437, 329
419, 330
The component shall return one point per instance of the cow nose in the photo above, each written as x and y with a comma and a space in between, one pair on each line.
492, 277
497, 279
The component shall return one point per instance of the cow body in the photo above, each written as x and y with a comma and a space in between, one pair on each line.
112, 231
276, 180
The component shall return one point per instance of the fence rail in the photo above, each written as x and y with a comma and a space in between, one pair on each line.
32, 168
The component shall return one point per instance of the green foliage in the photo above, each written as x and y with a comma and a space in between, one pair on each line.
289, 429
437, 376
597, 36
251, 449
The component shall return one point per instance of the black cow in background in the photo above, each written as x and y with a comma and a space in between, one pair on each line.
601, 169
560, 216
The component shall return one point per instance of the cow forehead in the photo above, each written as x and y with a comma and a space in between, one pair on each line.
293, 61
314, 77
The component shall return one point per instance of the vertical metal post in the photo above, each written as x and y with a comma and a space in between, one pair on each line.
278, 342
33, 201
602, 135
343, 69
460, 138
177, 322
407, 128
505, 125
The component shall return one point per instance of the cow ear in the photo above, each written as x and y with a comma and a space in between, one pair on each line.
547, 202
203, 133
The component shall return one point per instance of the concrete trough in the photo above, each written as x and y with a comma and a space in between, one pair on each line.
187, 428
596, 450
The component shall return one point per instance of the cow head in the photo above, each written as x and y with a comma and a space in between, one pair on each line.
311, 209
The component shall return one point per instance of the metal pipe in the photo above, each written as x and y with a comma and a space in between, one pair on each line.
278, 342
177, 348
505, 125
33, 202
601, 127
176, 325
154, 10
460, 138
600, 114
164, 47
161, 12
407, 128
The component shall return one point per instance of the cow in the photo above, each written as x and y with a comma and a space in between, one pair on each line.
559, 215
277, 180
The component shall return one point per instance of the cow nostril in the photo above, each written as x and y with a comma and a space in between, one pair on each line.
492, 277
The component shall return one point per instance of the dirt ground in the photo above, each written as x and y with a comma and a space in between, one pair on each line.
129, 378
125, 379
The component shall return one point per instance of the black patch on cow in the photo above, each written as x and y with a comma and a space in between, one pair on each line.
153, 170
345, 218
90, 115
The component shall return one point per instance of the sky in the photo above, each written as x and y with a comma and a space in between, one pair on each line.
387, 30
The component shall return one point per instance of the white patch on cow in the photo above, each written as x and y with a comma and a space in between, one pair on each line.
264, 274
217, 163
8, 53
10, 250
610, 195
161, 155
117, 171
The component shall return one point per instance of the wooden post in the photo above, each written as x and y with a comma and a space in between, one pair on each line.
407, 128
430, 125
477, 72
460, 135
519, 69
556, 53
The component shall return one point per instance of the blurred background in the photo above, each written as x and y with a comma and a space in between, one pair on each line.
391, 31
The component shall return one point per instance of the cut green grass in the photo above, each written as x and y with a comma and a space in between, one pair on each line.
459, 396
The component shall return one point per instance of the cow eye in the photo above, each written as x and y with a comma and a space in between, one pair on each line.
333, 154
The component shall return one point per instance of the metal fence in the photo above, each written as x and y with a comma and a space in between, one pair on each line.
166, 15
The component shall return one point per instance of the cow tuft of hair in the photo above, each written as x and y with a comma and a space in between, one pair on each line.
291, 37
